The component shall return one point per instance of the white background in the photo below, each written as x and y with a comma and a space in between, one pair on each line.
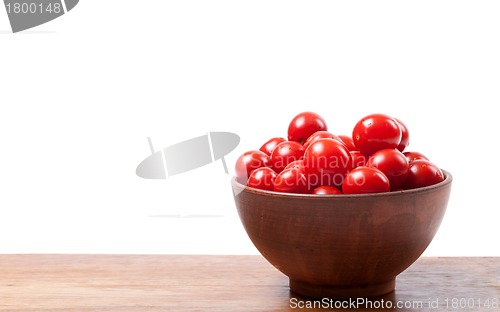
80, 95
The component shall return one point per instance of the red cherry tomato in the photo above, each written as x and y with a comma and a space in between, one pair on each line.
405, 136
358, 159
284, 153
248, 162
320, 135
363, 180
349, 143
411, 156
296, 164
304, 125
392, 163
375, 132
326, 189
423, 173
291, 180
268, 147
326, 162
262, 178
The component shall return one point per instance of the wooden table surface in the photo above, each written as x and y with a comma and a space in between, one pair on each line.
224, 283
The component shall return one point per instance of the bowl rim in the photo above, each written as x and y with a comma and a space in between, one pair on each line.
448, 178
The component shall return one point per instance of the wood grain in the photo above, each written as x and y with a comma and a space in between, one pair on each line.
219, 283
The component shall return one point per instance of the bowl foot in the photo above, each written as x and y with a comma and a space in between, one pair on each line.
342, 291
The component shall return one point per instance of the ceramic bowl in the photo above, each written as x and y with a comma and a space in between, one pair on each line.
342, 246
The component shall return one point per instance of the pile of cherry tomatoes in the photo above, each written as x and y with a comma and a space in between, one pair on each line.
316, 161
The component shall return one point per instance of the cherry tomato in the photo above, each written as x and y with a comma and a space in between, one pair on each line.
326, 189
320, 135
405, 136
349, 143
268, 147
284, 153
262, 178
371, 160
411, 156
392, 163
364, 180
304, 125
248, 162
291, 180
326, 162
423, 173
358, 159
375, 132
296, 164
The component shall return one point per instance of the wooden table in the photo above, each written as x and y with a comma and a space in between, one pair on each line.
223, 283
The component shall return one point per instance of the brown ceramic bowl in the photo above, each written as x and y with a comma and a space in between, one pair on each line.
342, 246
